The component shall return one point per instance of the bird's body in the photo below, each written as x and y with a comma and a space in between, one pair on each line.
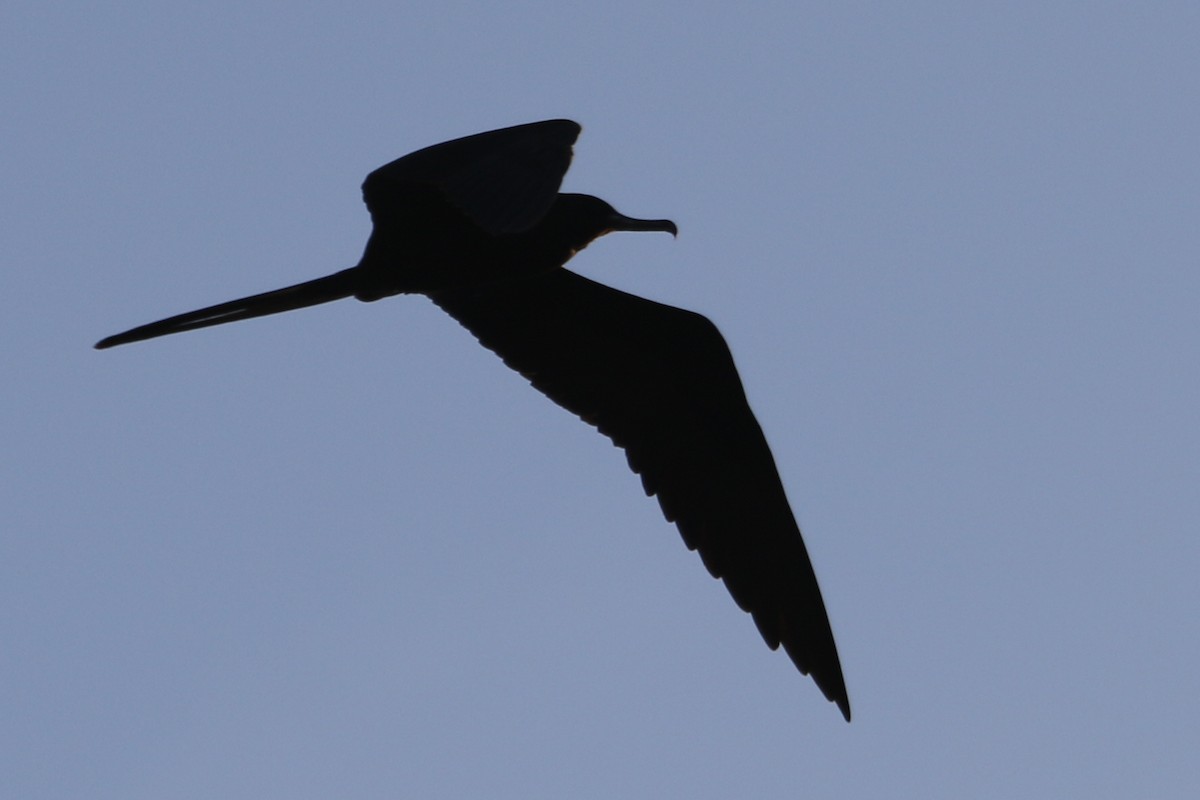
478, 225
452, 252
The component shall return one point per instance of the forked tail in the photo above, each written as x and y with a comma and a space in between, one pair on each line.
309, 293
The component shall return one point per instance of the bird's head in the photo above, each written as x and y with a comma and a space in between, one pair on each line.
582, 218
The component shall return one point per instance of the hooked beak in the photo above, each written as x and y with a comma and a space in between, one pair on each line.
620, 222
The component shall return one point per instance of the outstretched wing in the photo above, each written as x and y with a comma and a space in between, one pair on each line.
661, 383
503, 180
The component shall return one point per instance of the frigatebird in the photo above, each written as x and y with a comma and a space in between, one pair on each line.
478, 225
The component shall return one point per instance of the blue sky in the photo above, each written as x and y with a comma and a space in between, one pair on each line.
345, 552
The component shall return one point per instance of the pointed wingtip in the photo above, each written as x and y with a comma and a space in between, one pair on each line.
120, 338
838, 696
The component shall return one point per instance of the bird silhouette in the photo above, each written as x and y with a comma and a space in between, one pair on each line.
478, 225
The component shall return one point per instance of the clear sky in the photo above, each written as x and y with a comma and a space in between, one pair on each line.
346, 553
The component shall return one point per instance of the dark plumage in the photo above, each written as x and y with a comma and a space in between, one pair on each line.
479, 226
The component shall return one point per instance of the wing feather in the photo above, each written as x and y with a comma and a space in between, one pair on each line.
504, 180
661, 383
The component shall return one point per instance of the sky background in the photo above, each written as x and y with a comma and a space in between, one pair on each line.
345, 552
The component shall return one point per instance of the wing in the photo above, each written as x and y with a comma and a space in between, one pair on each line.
503, 180
661, 383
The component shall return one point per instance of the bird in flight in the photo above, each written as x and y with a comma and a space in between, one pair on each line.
478, 225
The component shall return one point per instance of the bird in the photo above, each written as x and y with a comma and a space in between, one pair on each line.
478, 225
